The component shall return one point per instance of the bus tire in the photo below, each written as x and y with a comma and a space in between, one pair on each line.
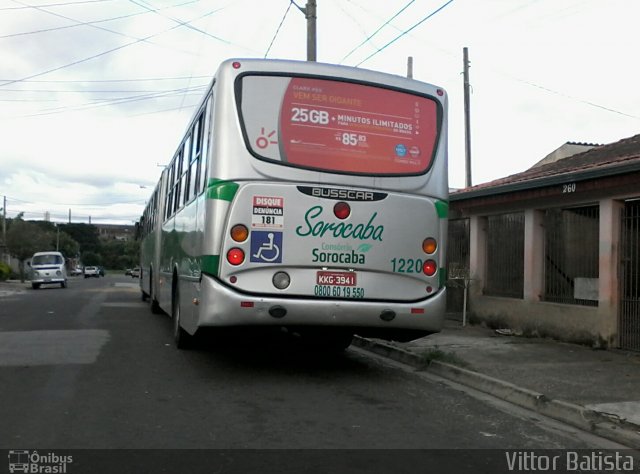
35, 286
182, 338
155, 306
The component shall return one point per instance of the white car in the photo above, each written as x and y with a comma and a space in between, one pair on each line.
135, 273
91, 272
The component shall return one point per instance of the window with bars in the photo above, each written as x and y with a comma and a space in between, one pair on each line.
504, 274
571, 255
458, 249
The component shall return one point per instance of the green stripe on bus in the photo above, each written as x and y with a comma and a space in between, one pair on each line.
442, 208
211, 264
223, 190
442, 274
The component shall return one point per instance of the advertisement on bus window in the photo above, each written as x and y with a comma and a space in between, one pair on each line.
339, 126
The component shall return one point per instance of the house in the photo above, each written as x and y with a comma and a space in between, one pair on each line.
555, 250
116, 232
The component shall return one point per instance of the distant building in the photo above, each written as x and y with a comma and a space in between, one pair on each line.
555, 250
116, 232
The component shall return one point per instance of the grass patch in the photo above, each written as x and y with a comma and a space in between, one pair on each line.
437, 354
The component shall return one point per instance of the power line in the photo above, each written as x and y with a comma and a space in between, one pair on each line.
80, 81
83, 23
116, 101
405, 32
180, 22
377, 31
74, 63
94, 91
278, 29
55, 4
577, 99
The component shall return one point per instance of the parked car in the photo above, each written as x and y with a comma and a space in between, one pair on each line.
135, 273
48, 267
91, 272
101, 271
76, 271
127, 272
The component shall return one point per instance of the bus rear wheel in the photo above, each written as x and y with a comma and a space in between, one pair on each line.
182, 338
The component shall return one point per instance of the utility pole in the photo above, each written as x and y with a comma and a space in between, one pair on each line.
467, 119
310, 15
309, 12
410, 67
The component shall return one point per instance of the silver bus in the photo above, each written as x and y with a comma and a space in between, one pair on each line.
308, 196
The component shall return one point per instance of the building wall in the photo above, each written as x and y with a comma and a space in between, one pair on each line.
531, 315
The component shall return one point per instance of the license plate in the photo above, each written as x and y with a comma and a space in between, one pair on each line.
336, 278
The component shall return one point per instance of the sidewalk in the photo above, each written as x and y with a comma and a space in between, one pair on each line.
11, 287
596, 390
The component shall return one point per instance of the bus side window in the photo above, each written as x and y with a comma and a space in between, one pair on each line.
170, 179
176, 187
207, 136
195, 157
184, 179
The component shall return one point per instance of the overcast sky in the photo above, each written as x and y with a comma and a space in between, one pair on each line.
95, 94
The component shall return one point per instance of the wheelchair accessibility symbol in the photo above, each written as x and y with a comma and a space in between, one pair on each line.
266, 247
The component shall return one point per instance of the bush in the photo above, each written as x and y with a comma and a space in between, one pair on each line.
5, 271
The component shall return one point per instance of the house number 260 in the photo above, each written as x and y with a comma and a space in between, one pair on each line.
569, 188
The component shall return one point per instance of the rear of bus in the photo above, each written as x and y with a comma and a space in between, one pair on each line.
329, 187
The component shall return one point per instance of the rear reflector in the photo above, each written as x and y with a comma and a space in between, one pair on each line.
417, 310
246, 304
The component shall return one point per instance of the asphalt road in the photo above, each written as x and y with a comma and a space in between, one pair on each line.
90, 367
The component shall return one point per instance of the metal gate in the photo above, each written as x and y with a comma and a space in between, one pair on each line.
457, 264
629, 317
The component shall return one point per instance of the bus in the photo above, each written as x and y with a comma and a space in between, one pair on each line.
305, 196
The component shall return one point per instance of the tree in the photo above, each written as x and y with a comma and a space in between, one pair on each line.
24, 239
85, 234
91, 259
66, 245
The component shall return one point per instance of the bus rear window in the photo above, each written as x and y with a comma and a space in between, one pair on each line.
337, 126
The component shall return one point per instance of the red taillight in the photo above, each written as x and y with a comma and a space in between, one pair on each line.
236, 65
235, 256
429, 268
341, 210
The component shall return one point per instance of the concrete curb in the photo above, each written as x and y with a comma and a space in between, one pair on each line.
608, 427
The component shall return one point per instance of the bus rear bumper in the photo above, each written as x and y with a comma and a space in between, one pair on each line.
221, 306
